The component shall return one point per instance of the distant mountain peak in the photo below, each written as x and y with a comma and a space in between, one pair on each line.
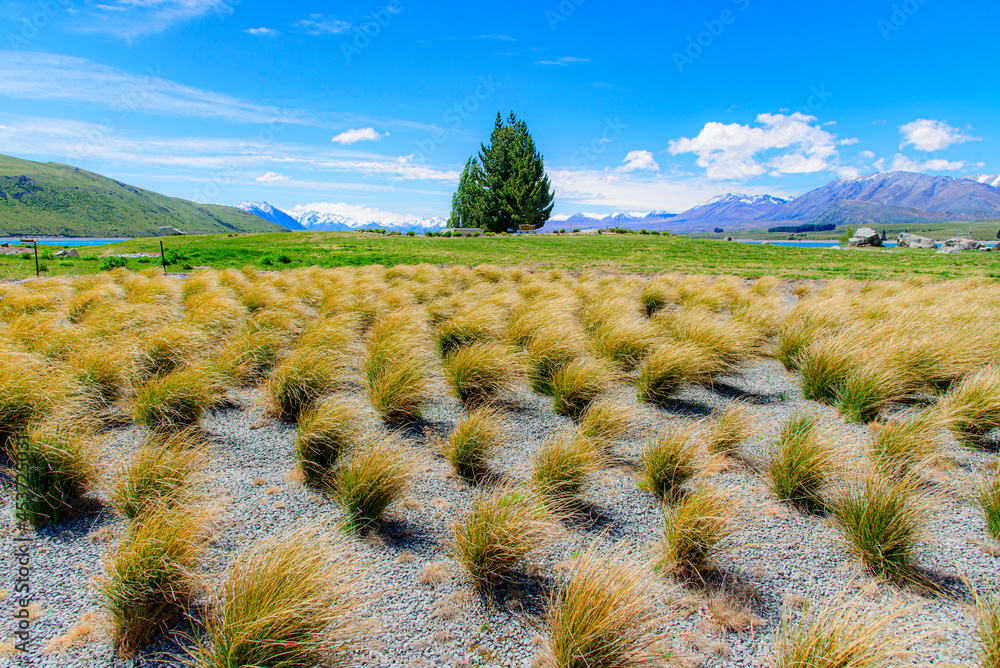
987, 179
270, 213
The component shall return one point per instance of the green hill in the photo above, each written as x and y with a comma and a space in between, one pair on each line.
52, 199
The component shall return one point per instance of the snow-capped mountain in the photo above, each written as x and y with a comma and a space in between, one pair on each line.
988, 179
730, 212
623, 219
270, 213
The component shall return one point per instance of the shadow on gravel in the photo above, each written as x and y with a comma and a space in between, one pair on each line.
400, 535
526, 594
685, 408
732, 392
590, 518
927, 582
737, 588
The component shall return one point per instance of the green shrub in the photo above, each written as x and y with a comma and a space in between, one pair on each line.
55, 470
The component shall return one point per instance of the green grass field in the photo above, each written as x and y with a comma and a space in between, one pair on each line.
627, 253
984, 230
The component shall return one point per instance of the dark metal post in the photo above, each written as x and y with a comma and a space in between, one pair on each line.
163, 258
37, 270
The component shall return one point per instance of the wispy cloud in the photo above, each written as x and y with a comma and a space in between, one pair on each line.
271, 177
497, 38
902, 163
358, 135
638, 160
319, 24
131, 19
564, 60
262, 32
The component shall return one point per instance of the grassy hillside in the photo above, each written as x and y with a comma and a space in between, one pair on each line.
631, 253
54, 199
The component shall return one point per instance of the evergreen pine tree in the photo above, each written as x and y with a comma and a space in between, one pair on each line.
467, 202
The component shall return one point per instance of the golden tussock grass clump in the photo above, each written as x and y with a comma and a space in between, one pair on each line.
477, 323
324, 434
302, 379
177, 400
578, 384
801, 466
795, 334
250, 355
868, 389
215, 309
624, 341
102, 373
988, 629
550, 349
605, 613
86, 300
474, 440
498, 534
881, 520
971, 408
670, 366
731, 342
668, 460
563, 466
987, 497
149, 578
846, 631
605, 422
395, 368
28, 391
56, 469
478, 372
290, 601
332, 334
163, 473
728, 428
900, 448
370, 477
696, 529
50, 337
825, 365
168, 348
657, 295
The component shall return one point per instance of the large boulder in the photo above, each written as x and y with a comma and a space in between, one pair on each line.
958, 243
866, 236
907, 240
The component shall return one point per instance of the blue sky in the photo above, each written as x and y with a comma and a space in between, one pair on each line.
353, 106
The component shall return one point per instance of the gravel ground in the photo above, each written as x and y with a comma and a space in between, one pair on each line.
425, 615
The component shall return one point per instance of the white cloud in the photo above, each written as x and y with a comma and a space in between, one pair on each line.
318, 24
564, 60
271, 177
867, 155
262, 32
638, 160
780, 145
498, 38
359, 134
902, 163
54, 77
932, 135
129, 19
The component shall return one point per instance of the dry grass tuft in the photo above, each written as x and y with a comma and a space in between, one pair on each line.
27, 392
825, 366
289, 601
176, 401
881, 520
479, 372
324, 433
474, 440
606, 422
729, 428
987, 497
988, 629
867, 390
369, 478
694, 530
575, 386
800, 468
604, 614
163, 473
669, 367
845, 631
395, 369
56, 468
729, 342
302, 380
899, 448
563, 466
550, 349
668, 461
498, 534
971, 408
149, 578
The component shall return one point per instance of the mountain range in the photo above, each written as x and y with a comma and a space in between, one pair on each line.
875, 199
